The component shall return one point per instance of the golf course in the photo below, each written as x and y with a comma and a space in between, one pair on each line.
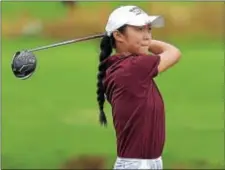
52, 117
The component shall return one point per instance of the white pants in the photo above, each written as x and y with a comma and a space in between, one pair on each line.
126, 163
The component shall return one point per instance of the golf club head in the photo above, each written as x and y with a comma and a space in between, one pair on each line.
23, 64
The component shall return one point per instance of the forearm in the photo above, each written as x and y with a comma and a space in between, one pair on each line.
158, 47
169, 54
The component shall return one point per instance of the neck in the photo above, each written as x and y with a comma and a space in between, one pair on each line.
122, 51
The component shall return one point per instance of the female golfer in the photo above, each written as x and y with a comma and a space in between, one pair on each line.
126, 78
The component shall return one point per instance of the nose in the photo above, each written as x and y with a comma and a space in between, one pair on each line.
147, 35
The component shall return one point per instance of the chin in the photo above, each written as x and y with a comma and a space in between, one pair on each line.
144, 52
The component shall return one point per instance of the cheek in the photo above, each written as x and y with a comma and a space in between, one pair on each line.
134, 39
133, 43
137, 42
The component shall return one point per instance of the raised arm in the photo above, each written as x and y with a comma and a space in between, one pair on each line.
169, 54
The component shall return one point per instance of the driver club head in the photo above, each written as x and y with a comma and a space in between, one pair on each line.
23, 64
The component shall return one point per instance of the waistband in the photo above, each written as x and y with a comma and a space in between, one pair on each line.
138, 159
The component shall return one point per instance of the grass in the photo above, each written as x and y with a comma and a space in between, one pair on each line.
10, 9
53, 115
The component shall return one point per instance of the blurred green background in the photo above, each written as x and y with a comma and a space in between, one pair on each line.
52, 118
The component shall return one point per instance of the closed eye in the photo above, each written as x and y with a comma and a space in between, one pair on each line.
140, 28
144, 28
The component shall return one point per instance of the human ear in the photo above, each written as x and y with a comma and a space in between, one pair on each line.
118, 36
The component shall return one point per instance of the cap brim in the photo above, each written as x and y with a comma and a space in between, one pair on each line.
157, 21
154, 21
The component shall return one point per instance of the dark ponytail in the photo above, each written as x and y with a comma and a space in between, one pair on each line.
106, 50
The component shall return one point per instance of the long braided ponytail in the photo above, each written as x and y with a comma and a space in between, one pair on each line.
106, 50
107, 44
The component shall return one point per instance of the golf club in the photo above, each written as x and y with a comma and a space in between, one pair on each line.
24, 62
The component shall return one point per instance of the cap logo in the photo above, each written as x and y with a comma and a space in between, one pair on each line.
136, 10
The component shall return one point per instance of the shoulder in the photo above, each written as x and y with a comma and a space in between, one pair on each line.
145, 57
134, 61
144, 65
143, 60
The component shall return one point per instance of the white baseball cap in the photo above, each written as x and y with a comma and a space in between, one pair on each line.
131, 15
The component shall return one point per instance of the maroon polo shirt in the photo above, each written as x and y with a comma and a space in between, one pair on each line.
137, 105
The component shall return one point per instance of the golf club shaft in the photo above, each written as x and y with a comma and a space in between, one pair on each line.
66, 42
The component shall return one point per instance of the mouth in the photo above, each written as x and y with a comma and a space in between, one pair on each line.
145, 46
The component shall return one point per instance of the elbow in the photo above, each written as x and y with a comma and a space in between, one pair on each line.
177, 54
